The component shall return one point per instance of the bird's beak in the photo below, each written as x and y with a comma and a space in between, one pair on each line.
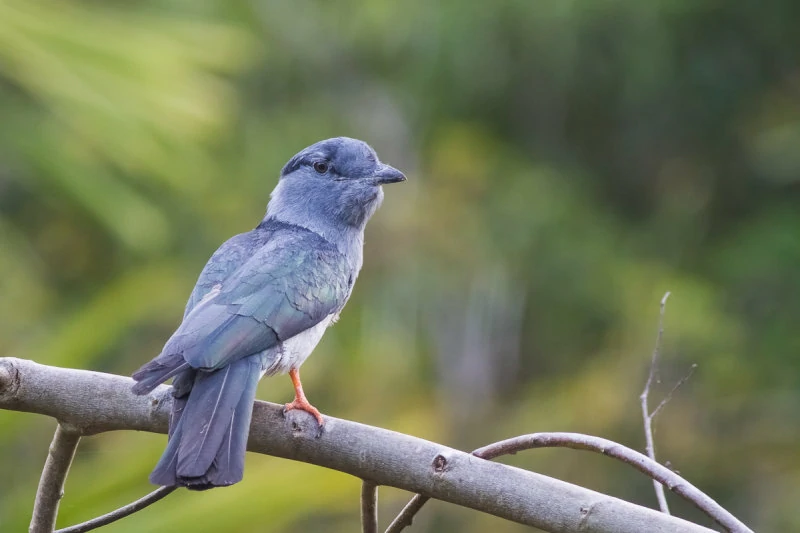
387, 174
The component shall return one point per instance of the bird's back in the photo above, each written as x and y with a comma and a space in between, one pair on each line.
229, 257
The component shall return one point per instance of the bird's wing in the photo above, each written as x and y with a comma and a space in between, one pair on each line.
225, 262
287, 286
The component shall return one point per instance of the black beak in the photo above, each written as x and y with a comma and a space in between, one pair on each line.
386, 174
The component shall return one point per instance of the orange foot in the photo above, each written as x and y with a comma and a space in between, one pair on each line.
300, 402
303, 405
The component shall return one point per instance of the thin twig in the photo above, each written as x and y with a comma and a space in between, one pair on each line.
647, 417
657, 349
51, 484
677, 386
406, 516
120, 513
369, 507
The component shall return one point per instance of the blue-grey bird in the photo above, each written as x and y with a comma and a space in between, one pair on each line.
261, 305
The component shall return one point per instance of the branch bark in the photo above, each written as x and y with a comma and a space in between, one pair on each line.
369, 507
93, 402
54, 474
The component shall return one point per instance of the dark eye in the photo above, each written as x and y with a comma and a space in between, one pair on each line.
321, 167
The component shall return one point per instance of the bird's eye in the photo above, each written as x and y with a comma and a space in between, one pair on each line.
321, 167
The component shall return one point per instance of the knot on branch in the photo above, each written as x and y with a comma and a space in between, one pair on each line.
587, 511
302, 424
9, 379
440, 464
160, 399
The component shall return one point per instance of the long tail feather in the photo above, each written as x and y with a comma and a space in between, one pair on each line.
209, 433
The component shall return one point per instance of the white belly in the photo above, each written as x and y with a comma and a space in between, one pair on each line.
292, 352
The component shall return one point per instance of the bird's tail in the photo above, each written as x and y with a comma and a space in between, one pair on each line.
157, 371
209, 428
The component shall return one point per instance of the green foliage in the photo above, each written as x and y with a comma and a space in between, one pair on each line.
569, 163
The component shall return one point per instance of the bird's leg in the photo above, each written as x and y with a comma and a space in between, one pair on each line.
300, 401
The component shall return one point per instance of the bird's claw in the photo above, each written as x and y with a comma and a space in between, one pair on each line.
303, 405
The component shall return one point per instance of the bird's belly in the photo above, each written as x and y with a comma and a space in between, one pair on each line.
292, 352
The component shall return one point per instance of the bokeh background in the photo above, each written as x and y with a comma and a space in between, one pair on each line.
568, 163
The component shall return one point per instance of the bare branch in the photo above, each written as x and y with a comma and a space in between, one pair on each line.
659, 473
647, 418
51, 484
657, 349
120, 513
94, 402
369, 507
406, 516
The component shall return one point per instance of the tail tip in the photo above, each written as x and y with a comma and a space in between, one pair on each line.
140, 388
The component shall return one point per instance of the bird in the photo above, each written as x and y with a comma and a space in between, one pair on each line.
260, 306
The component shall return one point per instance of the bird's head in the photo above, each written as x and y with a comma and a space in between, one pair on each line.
335, 182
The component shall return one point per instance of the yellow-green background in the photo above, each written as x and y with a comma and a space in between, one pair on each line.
568, 163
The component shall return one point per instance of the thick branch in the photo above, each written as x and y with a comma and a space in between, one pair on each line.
51, 484
94, 402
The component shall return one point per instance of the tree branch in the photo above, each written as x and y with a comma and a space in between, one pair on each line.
120, 513
647, 417
51, 484
660, 474
406, 516
93, 402
369, 507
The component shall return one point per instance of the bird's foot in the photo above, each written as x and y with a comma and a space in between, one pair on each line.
303, 405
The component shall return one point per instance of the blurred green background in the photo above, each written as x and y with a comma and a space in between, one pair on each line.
569, 162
